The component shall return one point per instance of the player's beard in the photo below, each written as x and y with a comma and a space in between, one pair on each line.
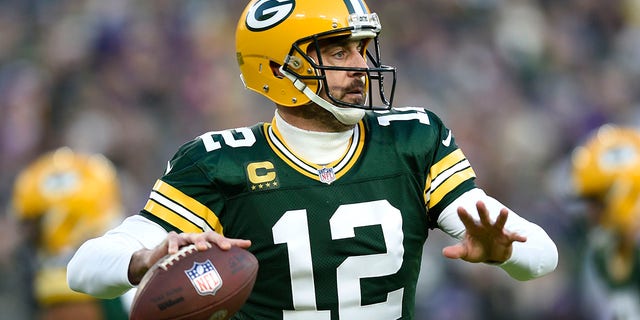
354, 93
319, 114
331, 113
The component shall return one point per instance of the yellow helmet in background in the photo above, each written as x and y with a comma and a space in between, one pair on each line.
607, 168
278, 33
76, 196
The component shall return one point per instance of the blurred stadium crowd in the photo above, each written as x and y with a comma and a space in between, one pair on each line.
520, 82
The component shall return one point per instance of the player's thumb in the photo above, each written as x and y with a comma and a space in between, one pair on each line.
456, 251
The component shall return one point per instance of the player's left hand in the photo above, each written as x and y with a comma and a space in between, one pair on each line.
484, 241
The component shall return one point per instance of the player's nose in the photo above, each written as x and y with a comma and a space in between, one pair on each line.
358, 61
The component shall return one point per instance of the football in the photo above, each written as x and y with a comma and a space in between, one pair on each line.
212, 284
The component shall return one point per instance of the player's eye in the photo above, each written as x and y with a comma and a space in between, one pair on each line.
339, 54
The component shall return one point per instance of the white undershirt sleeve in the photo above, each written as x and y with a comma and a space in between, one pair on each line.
100, 266
531, 259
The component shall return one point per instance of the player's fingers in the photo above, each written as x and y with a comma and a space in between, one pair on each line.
201, 243
226, 243
205, 240
196, 239
240, 243
502, 219
517, 237
500, 223
483, 213
466, 218
173, 242
219, 240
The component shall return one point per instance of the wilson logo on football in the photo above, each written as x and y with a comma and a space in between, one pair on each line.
205, 278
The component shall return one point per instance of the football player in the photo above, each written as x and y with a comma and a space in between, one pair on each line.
606, 172
62, 199
335, 196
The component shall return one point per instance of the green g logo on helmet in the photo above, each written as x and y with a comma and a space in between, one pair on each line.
266, 14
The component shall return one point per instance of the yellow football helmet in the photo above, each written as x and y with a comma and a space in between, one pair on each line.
75, 196
607, 168
279, 33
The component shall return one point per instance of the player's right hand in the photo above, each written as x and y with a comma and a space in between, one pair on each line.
144, 259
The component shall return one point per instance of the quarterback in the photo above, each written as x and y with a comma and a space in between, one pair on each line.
335, 196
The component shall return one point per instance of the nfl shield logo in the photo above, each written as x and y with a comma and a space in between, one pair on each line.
204, 278
326, 175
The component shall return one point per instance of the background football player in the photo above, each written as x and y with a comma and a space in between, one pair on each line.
62, 199
335, 197
606, 172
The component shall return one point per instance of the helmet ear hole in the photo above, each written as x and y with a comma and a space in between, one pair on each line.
275, 68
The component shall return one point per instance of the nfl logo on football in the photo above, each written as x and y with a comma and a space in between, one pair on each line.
326, 175
204, 277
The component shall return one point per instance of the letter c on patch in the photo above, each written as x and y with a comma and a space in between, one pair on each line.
261, 172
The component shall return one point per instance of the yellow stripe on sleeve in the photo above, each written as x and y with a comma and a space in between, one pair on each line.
189, 203
450, 184
171, 217
447, 162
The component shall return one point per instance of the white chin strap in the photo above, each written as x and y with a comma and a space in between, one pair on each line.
347, 116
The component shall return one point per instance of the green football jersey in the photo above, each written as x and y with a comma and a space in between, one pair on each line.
336, 241
622, 291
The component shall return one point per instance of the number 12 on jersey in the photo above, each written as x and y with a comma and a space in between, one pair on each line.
293, 230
